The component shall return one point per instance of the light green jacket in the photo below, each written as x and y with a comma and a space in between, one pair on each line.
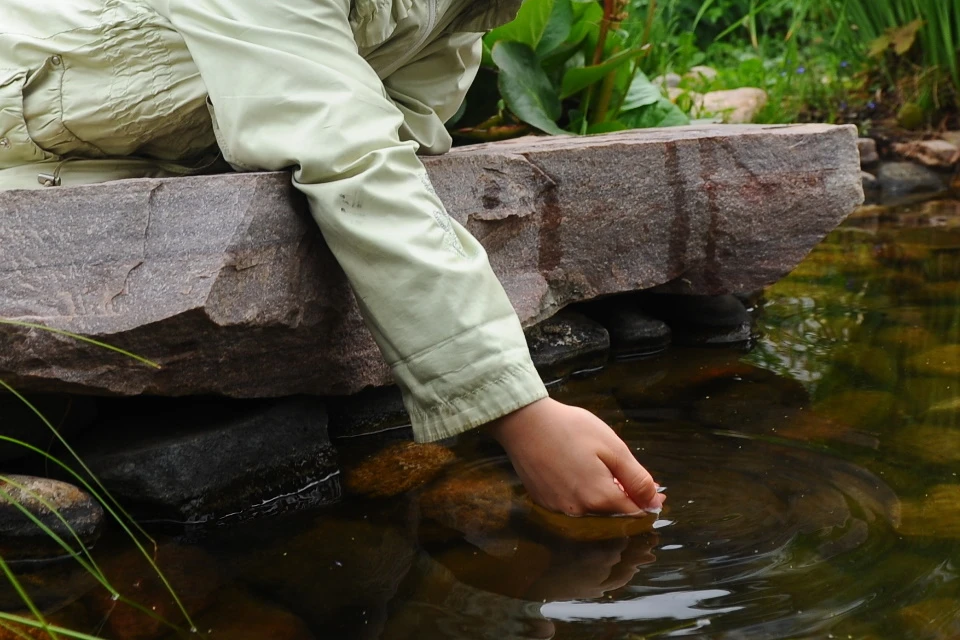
345, 94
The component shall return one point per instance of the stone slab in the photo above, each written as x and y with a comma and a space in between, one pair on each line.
225, 281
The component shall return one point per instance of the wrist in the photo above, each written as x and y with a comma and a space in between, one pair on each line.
506, 428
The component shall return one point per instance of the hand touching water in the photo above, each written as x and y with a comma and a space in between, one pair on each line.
570, 461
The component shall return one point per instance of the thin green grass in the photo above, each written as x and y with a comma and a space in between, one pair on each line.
81, 553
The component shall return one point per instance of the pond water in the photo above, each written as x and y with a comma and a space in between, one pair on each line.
812, 490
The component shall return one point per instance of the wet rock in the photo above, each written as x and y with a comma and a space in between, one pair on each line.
937, 619
938, 361
22, 539
73, 617
51, 585
906, 338
736, 106
214, 460
859, 408
934, 515
338, 574
905, 178
567, 341
397, 469
701, 320
475, 502
587, 528
70, 414
930, 443
191, 573
631, 330
932, 153
868, 151
372, 411
873, 363
247, 301
239, 615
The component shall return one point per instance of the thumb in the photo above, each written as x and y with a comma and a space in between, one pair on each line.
636, 481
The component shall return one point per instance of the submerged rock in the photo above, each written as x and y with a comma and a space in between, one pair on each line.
51, 585
938, 361
935, 515
218, 461
475, 502
73, 617
588, 528
238, 615
22, 539
939, 445
192, 575
937, 619
341, 575
397, 469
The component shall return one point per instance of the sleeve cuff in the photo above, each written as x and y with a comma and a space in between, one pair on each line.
474, 390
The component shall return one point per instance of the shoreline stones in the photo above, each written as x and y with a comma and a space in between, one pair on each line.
225, 281
567, 341
21, 539
200, 462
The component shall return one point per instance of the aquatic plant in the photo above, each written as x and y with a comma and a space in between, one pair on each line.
75, 548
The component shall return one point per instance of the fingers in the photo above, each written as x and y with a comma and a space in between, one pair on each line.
636, 481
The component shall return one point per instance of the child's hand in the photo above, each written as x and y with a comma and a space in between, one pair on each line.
570, 461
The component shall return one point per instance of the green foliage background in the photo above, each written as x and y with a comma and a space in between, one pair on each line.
584, 66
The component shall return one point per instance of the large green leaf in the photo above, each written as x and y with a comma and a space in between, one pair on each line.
661, 113
525, 88
641, 93
542, 25
578, 78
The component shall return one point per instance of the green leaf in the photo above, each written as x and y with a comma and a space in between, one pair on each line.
557, 29
530, 24
641, 93
525, 87
578, 78
661, 113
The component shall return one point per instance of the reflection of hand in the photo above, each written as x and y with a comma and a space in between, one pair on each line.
571, 462
583, 572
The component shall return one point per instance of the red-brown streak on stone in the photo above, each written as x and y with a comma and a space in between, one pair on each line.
551, 240
680, 227
711, 270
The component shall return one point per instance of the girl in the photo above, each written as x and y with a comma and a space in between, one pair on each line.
345, 94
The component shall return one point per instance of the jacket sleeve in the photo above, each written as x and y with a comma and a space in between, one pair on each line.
290, 90
430, 89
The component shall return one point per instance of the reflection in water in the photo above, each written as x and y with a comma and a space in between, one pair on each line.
813, 489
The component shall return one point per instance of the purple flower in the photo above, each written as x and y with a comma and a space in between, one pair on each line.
844, 64
871, 105
801, 70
